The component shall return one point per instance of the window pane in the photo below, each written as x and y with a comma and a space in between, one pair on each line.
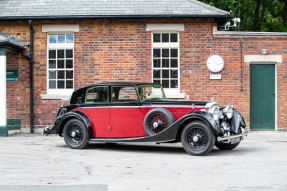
156, 73
156, 63
165, 52
156, 37
165, 37
69, 63
156, 81
124, 94
156, 53
173, 52
174, 83
69, 74
165, 73
165, 83
173, 74
61, 74
52, 64
69, 53
61, 38
173, 37
61, 84
69, 84
60, 63
53, 38
52, 74
60, 53
165, 63
52, 54
52, 84
69, 38
174, 63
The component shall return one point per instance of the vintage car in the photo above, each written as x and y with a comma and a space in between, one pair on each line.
138, 112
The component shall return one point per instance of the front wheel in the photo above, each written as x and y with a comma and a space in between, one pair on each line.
75, 134
226, 146
197, 138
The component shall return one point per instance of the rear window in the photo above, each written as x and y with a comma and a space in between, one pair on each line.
97, 95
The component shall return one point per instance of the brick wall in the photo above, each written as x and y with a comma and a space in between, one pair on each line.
120, 49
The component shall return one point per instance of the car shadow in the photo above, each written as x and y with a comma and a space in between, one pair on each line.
137, 148
165, 149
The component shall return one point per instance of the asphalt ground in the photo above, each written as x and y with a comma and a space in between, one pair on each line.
33, 162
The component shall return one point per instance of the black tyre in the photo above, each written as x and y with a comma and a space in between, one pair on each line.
75, 134
197, 138
224, 146
157, 120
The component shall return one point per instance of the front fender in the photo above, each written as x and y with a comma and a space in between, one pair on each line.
202, 116
61, 121
237, 121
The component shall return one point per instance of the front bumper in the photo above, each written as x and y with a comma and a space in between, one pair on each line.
233, 138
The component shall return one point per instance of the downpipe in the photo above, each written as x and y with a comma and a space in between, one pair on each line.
31, 60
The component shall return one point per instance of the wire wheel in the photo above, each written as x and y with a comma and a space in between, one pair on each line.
75, 134
157, 120
157, 123
197, 138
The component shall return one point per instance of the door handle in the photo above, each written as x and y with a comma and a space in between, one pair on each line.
273, 94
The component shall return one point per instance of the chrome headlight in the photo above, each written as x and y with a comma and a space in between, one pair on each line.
228, 111
213, 109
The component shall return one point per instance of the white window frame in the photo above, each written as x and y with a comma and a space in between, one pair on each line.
170, 92
56, 46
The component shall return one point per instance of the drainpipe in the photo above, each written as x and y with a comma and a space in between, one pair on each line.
241, 73
31, 59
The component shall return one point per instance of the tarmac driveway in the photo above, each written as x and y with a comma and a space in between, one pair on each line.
36, 162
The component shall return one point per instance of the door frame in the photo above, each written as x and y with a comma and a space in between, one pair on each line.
275, 65
265, 59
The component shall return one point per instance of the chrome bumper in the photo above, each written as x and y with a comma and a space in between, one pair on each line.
229, 138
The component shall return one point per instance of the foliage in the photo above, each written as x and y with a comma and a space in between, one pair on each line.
256, 15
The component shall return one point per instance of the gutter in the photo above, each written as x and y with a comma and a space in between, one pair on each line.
111, 17
31, 59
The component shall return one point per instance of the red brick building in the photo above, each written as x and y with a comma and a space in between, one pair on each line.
81, 43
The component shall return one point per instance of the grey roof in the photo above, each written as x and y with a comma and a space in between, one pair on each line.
10, 41
107, 8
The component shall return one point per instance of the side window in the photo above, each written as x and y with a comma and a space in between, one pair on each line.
124, 94
97, 95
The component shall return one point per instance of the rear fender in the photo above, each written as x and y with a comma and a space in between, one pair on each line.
78, 115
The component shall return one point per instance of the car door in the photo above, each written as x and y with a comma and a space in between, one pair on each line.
126, 118
97, 109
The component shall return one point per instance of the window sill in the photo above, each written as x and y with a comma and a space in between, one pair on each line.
175, 96
55, 96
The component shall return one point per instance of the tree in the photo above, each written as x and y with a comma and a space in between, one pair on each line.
256, 15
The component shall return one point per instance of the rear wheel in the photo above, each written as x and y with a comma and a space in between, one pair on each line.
75, 134
197, 138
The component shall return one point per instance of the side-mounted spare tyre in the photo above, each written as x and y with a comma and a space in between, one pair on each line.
157, 120
75, 134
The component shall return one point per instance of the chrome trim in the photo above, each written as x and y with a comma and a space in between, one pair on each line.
228, 138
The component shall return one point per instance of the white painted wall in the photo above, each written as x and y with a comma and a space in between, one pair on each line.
3, 114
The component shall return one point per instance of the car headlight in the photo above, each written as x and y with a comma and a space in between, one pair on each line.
214, 111
228, 111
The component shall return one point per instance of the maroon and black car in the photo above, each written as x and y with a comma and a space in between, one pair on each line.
138, 112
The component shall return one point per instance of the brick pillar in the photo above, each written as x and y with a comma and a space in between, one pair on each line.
3, 114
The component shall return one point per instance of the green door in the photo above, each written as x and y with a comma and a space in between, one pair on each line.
262, 97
